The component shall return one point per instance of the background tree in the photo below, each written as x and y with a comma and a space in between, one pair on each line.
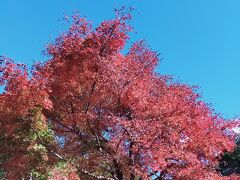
103, 114
230, 161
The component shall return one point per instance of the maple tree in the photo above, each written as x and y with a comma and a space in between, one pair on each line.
94, 112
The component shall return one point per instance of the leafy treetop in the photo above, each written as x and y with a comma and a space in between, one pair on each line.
104, 114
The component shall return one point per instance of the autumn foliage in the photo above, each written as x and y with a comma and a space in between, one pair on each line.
94, 112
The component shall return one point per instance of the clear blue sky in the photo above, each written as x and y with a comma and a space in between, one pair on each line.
199, 40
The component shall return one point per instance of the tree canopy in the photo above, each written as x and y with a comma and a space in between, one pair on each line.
94, 112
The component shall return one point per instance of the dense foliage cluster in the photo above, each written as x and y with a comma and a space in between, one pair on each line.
94, 112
